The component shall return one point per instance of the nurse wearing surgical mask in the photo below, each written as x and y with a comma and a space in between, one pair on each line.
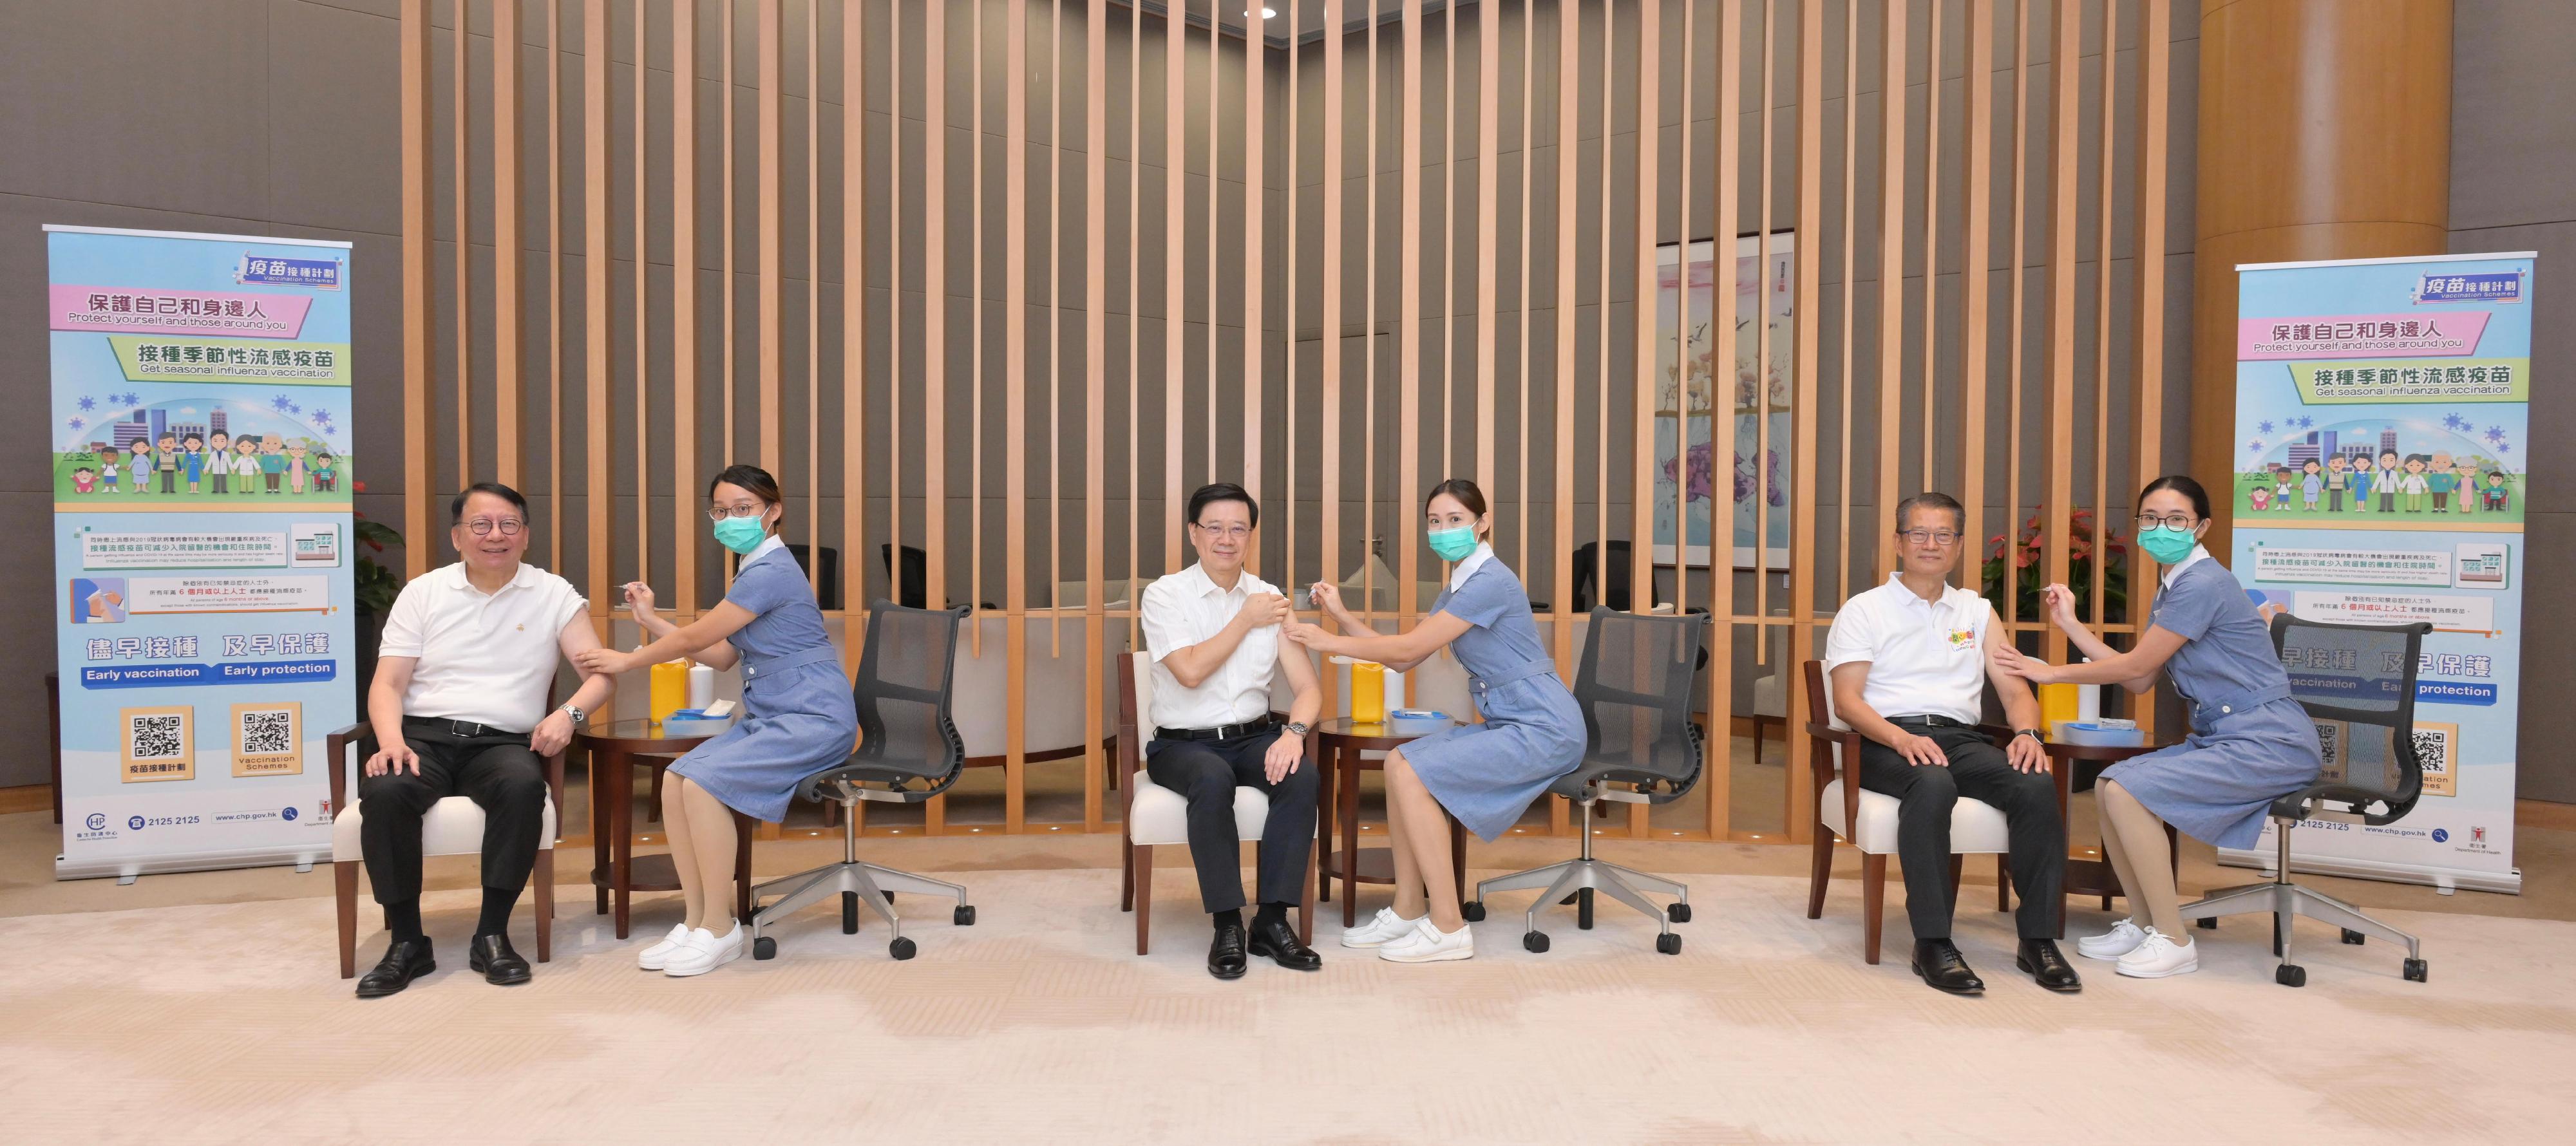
798, 718
1484, 774
2250, 743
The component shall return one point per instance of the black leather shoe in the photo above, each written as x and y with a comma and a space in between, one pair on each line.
2039, 959
1225, 955
499, 965
403, 962
1276, 941
1941, 965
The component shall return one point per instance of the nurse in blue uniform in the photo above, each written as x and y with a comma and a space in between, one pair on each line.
797, 714
2250, 744
1484, 774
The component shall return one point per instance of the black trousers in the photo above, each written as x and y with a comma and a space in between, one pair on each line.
1206, 773
1925, 795
498, 771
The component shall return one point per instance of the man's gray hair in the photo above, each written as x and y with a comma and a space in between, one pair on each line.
1932, 500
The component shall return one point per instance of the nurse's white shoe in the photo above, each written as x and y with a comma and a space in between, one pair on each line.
704, 952
2157, 957
1429, 944
1381, 929
653, 958
2122, 938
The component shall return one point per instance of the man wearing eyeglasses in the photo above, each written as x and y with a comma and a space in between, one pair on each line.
1213, 632
458, 708
1907, 661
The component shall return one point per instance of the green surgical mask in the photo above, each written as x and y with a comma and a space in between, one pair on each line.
2167, 545
740, 534
1453, 544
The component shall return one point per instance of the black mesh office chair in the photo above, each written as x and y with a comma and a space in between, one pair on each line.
909, 750
2358, 683
912, 586
1640, 747
1614, 581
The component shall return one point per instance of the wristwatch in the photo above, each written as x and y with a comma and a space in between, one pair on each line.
574, 711
1297, 727
2033, 733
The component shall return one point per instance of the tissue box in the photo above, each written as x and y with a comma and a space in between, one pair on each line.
2097, 734
1416, 721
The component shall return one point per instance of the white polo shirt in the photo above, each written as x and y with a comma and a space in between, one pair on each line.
483, 658
1182, 609
1926, 658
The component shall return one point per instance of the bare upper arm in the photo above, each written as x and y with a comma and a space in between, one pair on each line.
1294, 661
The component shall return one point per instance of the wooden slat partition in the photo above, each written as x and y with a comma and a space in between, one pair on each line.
1549, 476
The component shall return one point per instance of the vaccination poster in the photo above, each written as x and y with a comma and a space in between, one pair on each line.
202, 473
2383, 439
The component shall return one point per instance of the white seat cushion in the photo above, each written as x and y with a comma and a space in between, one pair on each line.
1162, 816
453, 827
1976, 827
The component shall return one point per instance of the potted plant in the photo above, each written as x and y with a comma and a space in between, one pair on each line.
2022, 563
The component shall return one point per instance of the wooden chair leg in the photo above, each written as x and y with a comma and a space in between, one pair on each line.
743, 827
1819, 871
545, 905
2003, 882
1126, 872
1873, 902
1758, 722
1143, 866
344, 880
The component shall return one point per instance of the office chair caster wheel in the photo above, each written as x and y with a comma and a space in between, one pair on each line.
902, 949
2291, 975
2210, 924
764, 948
1669, 943
1534, 941
964, 916
2415, 970
849, 913
2353, 937
1678, 913
1473, 911
1583, 909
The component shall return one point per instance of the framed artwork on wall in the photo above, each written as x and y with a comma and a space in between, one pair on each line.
1758, 397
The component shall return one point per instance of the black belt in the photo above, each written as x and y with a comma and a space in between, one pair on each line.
1220, 732
461, 729
1930, 722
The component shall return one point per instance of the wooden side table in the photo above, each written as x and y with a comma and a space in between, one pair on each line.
616, 871
2086, 875
1339, 742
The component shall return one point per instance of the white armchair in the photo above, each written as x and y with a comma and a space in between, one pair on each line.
453, 827
1157, 816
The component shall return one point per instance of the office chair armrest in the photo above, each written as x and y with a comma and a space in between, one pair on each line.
2299, 805
1826, 735
2001, 735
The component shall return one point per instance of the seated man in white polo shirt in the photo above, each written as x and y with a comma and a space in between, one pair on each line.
1213, 631
458, 707
1907, 661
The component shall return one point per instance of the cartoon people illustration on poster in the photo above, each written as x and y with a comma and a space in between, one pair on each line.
177, 441
2422, 466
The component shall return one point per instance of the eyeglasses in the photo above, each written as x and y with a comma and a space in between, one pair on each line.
739, 509
2181, 522
1228, 532
483, 526
1941, 537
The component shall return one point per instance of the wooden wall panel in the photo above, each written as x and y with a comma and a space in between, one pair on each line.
1544, 400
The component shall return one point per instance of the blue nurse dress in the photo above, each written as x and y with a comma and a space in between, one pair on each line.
797, 715
2250, 744
1487, 774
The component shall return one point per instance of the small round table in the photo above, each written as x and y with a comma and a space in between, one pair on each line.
1340, 741
2086, 875
616, 870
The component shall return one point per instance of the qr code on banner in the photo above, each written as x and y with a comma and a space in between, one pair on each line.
267, 733
2437, 748
157, 737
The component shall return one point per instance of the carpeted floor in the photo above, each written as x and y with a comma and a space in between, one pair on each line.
226, 1022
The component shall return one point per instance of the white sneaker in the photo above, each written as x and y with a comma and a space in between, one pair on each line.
654, 957
1381, 929
2157, 956
1428, 944
705, 952
2122, 938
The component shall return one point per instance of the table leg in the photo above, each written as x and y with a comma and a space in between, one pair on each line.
621, 813
592, 760
1347, 763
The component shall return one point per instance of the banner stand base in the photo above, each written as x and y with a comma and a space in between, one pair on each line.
128, 869
2444, 880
